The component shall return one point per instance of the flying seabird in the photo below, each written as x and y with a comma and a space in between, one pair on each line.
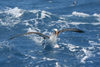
50, 41
74, 3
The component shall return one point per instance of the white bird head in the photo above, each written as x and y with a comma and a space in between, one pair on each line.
55, 30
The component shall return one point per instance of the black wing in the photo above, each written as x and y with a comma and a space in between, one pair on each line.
71, 29
40, 34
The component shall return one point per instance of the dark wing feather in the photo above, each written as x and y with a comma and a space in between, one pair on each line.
40, 34
71, 29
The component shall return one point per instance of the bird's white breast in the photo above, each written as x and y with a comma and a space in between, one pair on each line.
51, 41
53, 38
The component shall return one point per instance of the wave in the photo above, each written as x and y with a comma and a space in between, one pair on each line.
81, 53
15, 12
43, 21
14, 16
94, 43
80, 14
21, 21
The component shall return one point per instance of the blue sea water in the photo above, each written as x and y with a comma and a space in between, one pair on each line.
75, 49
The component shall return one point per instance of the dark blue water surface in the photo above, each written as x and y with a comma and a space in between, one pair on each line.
75, 49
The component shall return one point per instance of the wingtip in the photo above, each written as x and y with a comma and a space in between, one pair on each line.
80, 31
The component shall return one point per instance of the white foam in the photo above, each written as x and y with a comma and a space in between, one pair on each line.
11, 18
27, 24
34, 11
93, 43
87, 53
9, 22
4, 44
72, 47
30, 56
78, 23
96, 15
80, 14
95, 23
31, 30
49, 59
16, 12
45, 14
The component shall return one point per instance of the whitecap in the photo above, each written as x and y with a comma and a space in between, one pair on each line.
78, 23
87, 53
83, 53
45, 14
34, 11
4, 44
49, 59
10, 21
31, 30
93, 43
11, 16
96, 15
80, 14
72, 47
29, 56
16, 12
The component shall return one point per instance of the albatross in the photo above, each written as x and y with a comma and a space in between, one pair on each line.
49, 41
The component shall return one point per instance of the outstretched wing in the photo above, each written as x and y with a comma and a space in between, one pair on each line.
71, 29
40, 34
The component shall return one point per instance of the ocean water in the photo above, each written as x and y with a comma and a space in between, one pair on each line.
75, 49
